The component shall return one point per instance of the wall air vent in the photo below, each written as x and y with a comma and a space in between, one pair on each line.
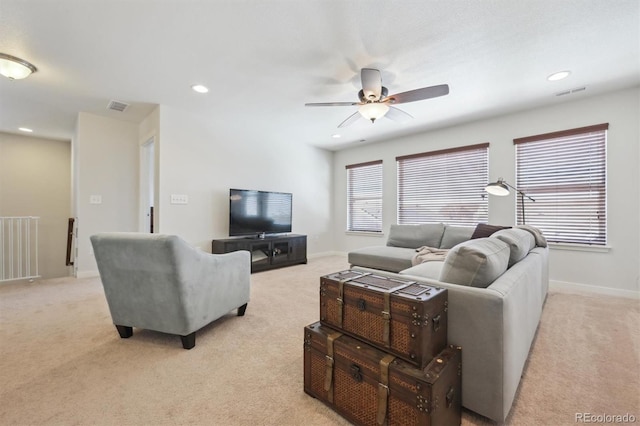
117, 106
569, 92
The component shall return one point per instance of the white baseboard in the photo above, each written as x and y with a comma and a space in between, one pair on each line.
575, 288
327, 253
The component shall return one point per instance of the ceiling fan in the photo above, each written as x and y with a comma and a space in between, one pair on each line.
374, 102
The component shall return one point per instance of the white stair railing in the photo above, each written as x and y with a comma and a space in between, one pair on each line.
18, 248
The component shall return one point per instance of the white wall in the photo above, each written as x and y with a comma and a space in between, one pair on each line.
106, 164
198, 158
35, 180
616, 269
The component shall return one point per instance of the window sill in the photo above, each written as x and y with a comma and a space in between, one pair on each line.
365, 233
580, 247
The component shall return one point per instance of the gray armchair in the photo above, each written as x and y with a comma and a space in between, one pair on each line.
160, 282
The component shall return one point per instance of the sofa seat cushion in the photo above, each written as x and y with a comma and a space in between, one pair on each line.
454, 235
520, 243
393, 259
414, 236
476, 263
429, 269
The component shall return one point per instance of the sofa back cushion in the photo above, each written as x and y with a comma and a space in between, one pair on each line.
520, 243
414, 236
454, 235
476, 263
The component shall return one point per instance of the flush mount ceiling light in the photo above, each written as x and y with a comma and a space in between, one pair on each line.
200, 88
15, 68
558, 75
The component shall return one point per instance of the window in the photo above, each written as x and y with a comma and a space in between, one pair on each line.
565, 172
364, 197
444, 186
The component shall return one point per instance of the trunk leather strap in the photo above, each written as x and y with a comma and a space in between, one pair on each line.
383, 389
328, 378
340, 302
386, 314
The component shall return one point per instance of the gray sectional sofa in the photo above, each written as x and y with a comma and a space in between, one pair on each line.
497, 287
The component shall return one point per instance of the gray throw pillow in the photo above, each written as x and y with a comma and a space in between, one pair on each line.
454, 235
520, 243
414, 236
476, 263
484, 230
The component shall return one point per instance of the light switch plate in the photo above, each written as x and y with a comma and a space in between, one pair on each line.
179, 199
95, 199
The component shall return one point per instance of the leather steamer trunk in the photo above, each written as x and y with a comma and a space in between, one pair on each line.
368, 386
398, 316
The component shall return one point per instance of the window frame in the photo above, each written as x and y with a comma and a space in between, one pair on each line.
366, 192
455, 192
585, 218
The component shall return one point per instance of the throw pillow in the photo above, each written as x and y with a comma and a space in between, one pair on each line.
484, 230
475, 263
520, 243
454, 235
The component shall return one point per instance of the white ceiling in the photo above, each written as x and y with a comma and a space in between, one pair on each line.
264, 59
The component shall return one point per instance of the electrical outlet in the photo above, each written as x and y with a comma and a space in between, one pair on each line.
179, 199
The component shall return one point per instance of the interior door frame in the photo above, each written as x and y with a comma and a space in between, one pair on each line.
147, 185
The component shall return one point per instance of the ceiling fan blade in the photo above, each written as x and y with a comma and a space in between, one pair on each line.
331, 104
351, 119
398, 115
419, 94
371, 83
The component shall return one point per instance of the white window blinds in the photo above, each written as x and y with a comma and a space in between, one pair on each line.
565, 172
444, 186
364, 197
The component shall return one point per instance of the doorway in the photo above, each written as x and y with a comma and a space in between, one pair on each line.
147, 186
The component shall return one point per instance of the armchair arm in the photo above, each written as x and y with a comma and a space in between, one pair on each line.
213, 285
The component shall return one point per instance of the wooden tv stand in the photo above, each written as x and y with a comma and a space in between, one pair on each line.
269, 252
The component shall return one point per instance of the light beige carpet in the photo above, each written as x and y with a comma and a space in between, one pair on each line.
62, 362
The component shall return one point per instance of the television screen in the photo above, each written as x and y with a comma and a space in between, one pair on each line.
259, 212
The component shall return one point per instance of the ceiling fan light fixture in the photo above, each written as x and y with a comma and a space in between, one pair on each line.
15, 68
373, 110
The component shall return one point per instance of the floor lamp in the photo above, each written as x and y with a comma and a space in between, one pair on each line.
501, 188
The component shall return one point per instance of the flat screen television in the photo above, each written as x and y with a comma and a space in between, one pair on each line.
257, 213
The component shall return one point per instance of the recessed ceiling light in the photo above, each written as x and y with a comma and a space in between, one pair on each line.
336, 136
25, 129
558, 75
200, 88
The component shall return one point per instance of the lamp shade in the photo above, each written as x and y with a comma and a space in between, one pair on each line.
373, 110
497, 188
15, 68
